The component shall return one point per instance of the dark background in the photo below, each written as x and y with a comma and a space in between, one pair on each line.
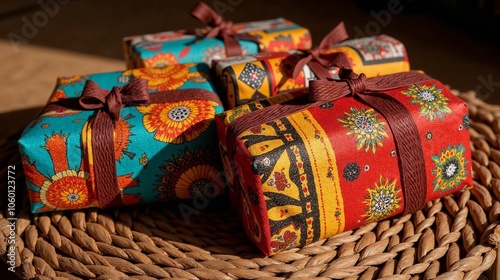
455, 41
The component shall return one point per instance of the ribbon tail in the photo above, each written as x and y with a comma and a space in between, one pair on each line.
106, 182
409, 149
232, 46
388, 82
135, 92
324, 90
206, 14
300, 65
321, 72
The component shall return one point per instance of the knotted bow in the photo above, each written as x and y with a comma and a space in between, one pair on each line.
93, 97
371, 92
102, 150
221, 29
318, 58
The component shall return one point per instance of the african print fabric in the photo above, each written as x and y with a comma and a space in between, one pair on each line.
162, 151
335, 167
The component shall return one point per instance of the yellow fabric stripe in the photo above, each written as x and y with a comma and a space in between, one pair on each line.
373, 70
326, 177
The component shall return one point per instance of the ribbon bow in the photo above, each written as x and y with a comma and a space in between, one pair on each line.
319, 60
93, 97
221, 29
109, 106
371, 92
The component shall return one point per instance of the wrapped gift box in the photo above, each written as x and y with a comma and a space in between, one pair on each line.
173, 47
252, 77
306, 165
162, 149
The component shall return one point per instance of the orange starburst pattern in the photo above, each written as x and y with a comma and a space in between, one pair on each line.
178, 122
160, 60
169, 77
121, 138
67, 188
383, 199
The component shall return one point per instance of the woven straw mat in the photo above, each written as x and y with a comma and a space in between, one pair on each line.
455, 237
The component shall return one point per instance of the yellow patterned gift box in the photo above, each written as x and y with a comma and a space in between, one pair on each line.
306, 165
259, 76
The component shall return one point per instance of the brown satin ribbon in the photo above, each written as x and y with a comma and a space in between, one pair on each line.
371, 92
319, 60
220, 29
108, 106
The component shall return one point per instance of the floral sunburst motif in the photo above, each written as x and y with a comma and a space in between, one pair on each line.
67, 188
122, 135
160, 60
366, 126
178, 122
217, 52
189, 174
382, 199
169, 77
433, 104
450, 168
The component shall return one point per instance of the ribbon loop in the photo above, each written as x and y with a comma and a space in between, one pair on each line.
114, 104
221, 29
135, 92
318, 58
206, 15
93, 97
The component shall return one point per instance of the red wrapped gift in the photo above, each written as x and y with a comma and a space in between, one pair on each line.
307, 165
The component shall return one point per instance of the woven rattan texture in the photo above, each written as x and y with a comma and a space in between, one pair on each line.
452, 238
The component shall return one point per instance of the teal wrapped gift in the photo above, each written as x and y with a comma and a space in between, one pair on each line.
219, 40
122, 138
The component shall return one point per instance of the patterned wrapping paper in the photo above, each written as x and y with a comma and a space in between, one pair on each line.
253, 77
173, 47
162, 151
334, 167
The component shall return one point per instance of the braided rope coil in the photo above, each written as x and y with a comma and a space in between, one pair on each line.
455, 237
